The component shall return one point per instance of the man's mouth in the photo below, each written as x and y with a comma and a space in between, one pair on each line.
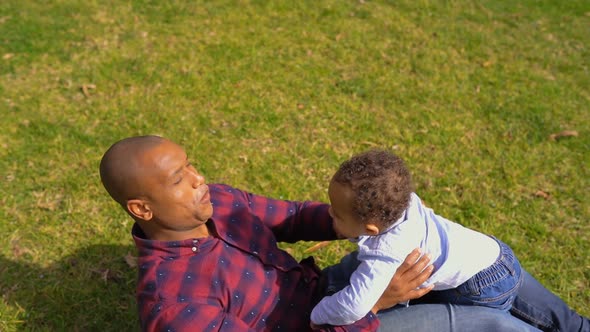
205, 196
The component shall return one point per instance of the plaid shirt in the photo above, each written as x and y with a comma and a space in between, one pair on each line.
237, 279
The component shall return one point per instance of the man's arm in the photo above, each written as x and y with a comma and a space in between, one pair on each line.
194, 317
292, 221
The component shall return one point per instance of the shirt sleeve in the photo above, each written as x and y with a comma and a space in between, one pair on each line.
369, 323
293, 221
190, 317
353, 302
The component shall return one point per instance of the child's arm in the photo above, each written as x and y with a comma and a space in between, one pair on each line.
353, 302
407, 280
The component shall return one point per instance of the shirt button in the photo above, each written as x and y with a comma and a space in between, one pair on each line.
194, 249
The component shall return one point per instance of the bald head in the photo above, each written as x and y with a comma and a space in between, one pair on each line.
121, 169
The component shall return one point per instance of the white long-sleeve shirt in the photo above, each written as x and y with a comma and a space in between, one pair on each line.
458, 253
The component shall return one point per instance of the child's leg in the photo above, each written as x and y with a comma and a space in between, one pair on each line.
494, 287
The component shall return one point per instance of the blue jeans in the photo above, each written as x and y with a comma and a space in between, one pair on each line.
446, 317
539, 307
534, 305
495, 286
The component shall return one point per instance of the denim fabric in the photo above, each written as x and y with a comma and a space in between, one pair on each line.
534, 304
494, 287
445, 317
543, 309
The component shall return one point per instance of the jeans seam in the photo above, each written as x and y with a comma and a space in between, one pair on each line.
534, 320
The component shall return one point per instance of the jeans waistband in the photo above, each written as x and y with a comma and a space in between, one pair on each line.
505, 263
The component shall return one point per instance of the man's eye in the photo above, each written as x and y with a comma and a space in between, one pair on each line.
178, 181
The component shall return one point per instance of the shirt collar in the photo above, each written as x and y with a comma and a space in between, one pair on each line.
147, 247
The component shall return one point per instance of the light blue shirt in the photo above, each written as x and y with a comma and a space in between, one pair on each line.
458, 253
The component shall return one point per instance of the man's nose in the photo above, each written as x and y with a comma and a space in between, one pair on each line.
198, 179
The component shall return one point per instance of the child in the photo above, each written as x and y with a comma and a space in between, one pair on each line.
372, 203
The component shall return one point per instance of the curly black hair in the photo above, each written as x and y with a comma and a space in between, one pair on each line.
381, 183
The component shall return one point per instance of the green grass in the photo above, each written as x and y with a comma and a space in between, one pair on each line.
271, 97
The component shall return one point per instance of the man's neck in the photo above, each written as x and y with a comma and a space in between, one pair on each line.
159, 234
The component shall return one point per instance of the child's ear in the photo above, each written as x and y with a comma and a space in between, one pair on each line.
372, 229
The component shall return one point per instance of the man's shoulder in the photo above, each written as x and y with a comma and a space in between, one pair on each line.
223, 194
224, 191
220, 187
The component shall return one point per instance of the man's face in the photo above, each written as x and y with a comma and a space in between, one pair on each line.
176, 193
346, 224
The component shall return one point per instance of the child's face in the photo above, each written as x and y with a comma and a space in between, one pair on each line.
346, 224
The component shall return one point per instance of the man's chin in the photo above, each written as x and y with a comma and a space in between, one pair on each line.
205, 213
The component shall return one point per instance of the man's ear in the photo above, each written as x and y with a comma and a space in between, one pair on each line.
139, 209
371, 229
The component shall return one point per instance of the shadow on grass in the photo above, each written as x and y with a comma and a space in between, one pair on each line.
90, 290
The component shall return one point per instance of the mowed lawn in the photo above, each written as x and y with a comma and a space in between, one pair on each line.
487, 101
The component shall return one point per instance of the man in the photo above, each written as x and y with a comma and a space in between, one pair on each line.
208, 259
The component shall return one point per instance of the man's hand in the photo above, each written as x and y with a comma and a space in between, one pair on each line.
404, 283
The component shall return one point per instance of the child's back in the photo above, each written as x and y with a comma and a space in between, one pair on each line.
458, 253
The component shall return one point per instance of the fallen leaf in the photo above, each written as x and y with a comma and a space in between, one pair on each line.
317, 246
7, 56
104, 274
542, 194
369, 143
86, 87
131, 260
17, 251
488, 63
565, 133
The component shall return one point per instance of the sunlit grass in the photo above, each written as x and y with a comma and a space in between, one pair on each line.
271, 97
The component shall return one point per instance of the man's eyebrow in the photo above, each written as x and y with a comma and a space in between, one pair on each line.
180, 168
